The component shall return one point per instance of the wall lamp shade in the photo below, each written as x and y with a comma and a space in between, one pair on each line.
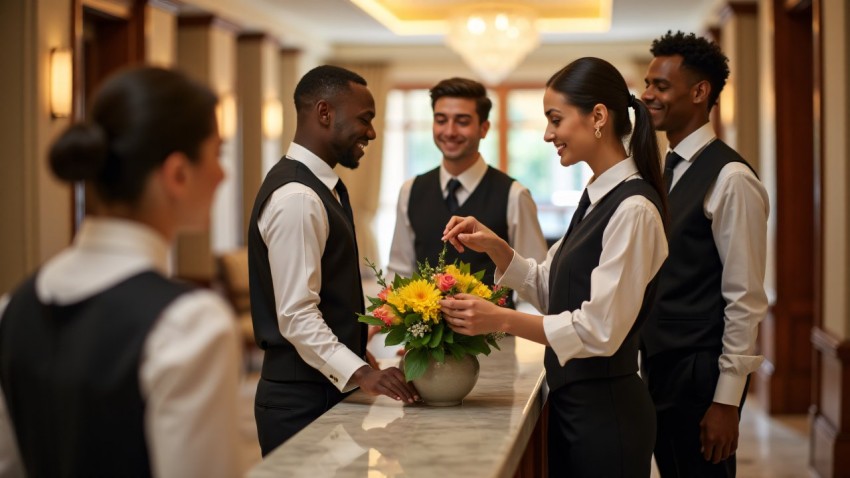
61, 83
272, 118
226, 115
493, 39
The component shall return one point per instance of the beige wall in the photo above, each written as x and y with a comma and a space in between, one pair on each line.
836, 172
208, 53
160, 37
257, 80
739, 101
767, 134
35, 209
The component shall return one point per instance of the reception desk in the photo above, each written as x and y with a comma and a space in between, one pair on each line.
495, 433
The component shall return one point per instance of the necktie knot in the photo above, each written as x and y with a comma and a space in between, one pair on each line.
451, 197
670, 163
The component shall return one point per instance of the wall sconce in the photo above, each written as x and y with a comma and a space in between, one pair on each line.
61, 83
272, 118
225, 113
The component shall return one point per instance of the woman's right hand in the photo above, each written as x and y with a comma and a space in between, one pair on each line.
468, 232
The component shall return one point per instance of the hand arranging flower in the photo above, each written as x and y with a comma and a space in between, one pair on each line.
408, 311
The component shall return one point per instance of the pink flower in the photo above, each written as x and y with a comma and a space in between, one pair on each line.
503, 301
385, 314
496, 287
384, 293
445, 281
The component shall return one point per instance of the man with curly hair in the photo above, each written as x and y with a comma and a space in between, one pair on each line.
698, 345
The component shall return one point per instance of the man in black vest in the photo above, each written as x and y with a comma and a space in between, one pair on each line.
462, 185
698, 345
303, 266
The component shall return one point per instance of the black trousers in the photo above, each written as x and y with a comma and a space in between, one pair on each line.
282, 409
682, 386
601, 428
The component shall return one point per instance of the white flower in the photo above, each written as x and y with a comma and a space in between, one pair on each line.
419, 330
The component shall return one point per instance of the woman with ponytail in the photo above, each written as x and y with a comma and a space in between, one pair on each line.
107, 367
596, 283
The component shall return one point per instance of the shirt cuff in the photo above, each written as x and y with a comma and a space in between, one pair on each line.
730, 388
340, 367
562, 336
514, 276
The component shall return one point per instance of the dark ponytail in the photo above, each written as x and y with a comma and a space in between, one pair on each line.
643, 146
137, 119
589, 81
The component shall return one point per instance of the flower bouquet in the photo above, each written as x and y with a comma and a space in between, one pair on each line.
408, 311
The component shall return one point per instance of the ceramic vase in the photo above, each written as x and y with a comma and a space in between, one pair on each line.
446, 384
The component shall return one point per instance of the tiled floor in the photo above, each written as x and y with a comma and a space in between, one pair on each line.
770, 447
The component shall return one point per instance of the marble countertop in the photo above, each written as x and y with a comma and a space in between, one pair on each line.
373, 437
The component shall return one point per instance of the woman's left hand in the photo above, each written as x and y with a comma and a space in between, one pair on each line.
471, 315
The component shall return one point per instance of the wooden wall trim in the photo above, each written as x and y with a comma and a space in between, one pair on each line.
830, 434
207, 20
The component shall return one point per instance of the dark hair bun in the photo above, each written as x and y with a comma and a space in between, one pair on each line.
79, 153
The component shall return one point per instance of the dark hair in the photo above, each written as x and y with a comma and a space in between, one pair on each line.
589, 81
702, 57
138, 117
463, 88
322, 83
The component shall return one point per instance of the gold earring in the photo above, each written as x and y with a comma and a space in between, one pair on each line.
598, 133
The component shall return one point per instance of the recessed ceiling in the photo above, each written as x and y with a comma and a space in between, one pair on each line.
418, 17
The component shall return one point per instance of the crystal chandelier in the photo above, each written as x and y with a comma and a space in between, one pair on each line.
493, 38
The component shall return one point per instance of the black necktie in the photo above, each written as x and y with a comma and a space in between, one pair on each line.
451, 198
581, 210
342, 191
669, 164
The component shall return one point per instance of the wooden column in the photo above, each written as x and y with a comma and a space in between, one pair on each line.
784, 382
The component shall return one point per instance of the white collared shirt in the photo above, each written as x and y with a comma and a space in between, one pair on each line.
190, 365
737, 205
634, 246
524, 233
294, 227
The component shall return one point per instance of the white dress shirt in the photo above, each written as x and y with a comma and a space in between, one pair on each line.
294, 227
190, 362
524, 233
737, 205
634, 247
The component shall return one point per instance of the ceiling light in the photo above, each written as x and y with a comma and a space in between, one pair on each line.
493, 39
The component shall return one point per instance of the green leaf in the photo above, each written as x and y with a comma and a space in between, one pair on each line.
436, 335
449, 336
395, 336
376, 301
415, 363
368, 319
457, 351
438, 354
479, 275
411, 319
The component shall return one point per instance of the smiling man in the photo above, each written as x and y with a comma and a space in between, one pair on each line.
699, 341
303, 265
463, 185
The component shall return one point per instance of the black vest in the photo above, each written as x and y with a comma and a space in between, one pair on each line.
689, 308
341, 293
569, 286
429, 214
70, 376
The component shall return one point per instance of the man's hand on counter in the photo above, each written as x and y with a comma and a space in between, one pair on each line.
389, 382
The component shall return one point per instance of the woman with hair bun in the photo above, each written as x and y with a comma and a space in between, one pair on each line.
107, 367
596, 283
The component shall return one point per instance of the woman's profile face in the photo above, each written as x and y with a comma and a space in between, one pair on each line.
207, 174
569, 129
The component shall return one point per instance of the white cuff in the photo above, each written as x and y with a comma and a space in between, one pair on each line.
514, 276
730, 388
562, 336
340, 367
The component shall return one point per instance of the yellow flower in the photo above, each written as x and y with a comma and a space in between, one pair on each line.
464, 281
421, 297
481, 290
